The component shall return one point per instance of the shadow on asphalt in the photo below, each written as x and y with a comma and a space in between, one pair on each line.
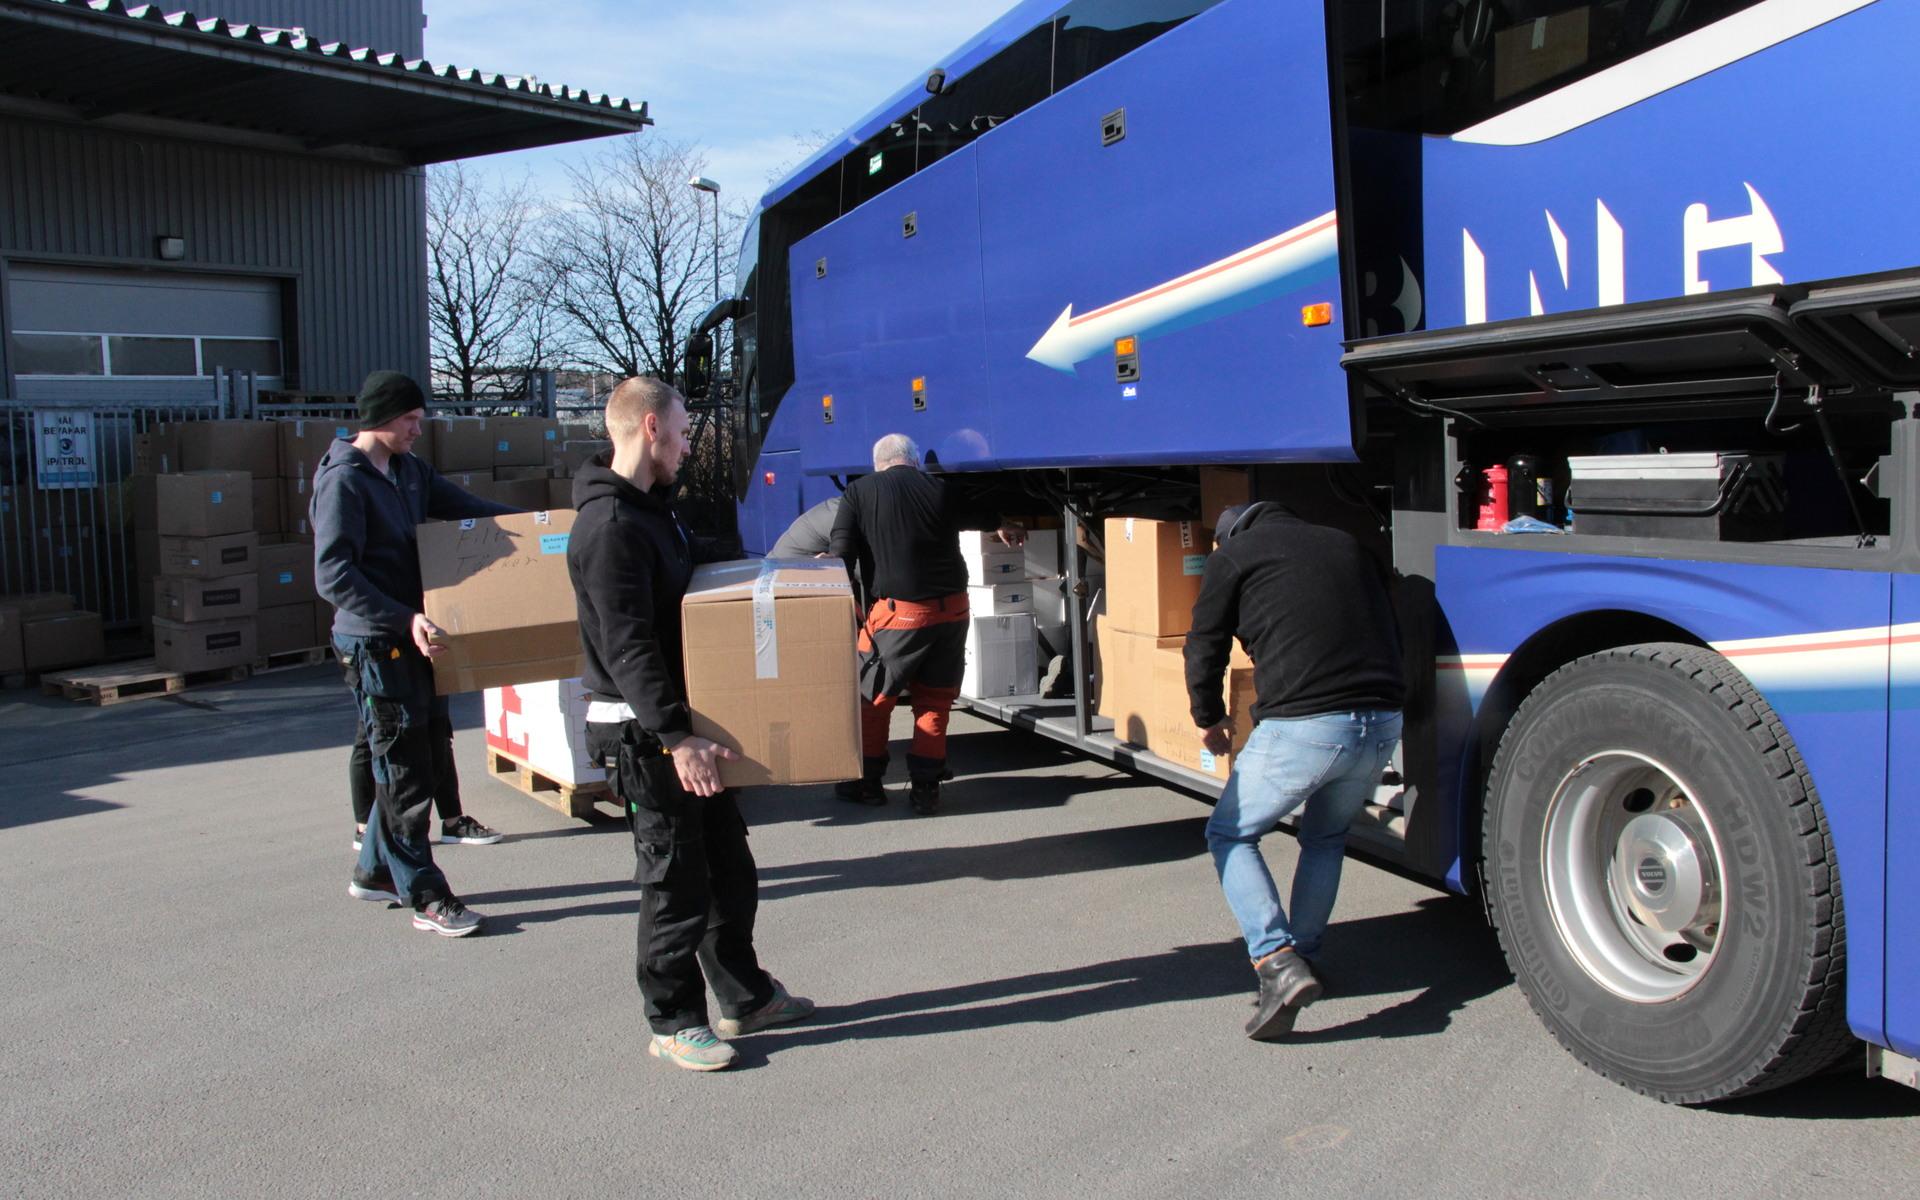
1440, 950
1845, 1094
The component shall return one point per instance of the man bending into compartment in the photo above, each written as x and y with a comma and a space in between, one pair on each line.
907, 524
1311, 606
631, 561
368, 496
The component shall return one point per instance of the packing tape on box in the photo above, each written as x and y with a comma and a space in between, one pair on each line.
766, 637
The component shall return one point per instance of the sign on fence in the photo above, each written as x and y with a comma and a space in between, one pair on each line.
66, 449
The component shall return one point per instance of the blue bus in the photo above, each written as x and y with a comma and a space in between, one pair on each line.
1598, 321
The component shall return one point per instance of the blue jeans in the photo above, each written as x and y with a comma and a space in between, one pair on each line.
393, 691
1330, 763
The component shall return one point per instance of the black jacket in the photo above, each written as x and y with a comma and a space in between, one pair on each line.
907, 525
1311, 607
630, 559
365, 562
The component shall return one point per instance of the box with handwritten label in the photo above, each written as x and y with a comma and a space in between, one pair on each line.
498, 589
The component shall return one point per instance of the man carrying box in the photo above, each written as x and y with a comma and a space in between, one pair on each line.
907, 524
1311, 607
368, 496
631, 560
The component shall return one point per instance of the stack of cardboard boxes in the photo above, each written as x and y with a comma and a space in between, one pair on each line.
1153, 572
526, 462
1012, 592
42, 631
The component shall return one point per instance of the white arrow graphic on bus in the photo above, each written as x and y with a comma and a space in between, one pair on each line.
1304, 254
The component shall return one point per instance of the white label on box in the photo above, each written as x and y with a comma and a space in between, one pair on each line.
1206, 760
1186, 535
1129, 529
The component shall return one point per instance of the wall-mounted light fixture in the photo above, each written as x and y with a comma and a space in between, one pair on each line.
170, 248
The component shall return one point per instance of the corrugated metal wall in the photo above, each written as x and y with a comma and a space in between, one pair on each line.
351, 237
376, 24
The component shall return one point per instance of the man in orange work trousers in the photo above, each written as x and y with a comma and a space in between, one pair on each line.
915, 637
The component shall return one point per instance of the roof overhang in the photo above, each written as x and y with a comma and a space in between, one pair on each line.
133, 65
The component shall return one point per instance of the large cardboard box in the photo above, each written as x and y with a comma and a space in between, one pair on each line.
157, 451
543, 725
522, 441
989, 562
210, 558
279, 630
62, 639
203, 645
1153, 574
296, 504
498, 587
1171, 733
460, 444
250, 446
204, 503
572, 455
1126, 678
771, 669
268, 507
474, 483
1001, 599
528, 495
1220, 489
303, 443
513, 474
1002, 657
559, 493
184, 600
285, 574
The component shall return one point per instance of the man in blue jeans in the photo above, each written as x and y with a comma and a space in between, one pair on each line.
1311, 606
368, 496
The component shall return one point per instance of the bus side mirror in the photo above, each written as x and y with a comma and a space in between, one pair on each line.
699, 367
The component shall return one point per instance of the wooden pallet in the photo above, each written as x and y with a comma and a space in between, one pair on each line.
139, 680
288, 660
573, 799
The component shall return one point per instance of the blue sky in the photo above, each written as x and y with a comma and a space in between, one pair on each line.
752, 81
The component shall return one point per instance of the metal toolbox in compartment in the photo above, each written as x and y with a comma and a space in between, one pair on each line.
1701, 496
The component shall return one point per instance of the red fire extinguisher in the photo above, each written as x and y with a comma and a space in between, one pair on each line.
1493, 499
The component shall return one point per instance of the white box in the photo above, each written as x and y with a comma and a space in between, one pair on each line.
1042, 553
990, 562
1001, 599
543, 725
1002, 657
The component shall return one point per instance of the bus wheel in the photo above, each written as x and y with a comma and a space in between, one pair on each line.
1662, 878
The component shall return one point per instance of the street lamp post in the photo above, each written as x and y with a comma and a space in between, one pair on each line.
701, 183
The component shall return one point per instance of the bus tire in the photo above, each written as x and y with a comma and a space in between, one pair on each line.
1662, 878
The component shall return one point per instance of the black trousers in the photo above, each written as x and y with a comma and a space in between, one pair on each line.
446, 780
393, 689
699, 888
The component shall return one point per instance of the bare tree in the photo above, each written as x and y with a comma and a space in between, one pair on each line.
630, 256
488, 318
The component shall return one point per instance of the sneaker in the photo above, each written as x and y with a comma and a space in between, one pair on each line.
1287, 985
925, 798
781, 1010
468, 832
448, 918
377, 885
695, 1049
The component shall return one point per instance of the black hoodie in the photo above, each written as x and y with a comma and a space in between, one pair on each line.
1311, 607
631, 559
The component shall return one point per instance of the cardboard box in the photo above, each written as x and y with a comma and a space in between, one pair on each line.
203, 645
423, 446
771, 669
498, 587
989, 562
1126, 678
474, 483
1153, 574
210, 558
146, 568
296, 502
1220, 489
303, 443
15, 612
284, 573
1171, 733
1001, 599
203, 503
62, 639
184, 600
460, 444
283, 629
543, 725
514, 474
157, 451
527, 495
559, 493
250, 446
1003, 657
522, 441
572, 455
268, 507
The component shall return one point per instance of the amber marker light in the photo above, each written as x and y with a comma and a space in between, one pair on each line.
1316, 315
1125, 346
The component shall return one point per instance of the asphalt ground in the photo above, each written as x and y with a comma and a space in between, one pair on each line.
1037, 993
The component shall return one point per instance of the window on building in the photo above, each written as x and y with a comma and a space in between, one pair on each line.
57, 354
259, 355
151, 356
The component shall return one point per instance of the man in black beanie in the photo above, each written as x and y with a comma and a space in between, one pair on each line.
368, 496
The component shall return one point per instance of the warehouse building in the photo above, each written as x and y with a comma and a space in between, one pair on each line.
201, 211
